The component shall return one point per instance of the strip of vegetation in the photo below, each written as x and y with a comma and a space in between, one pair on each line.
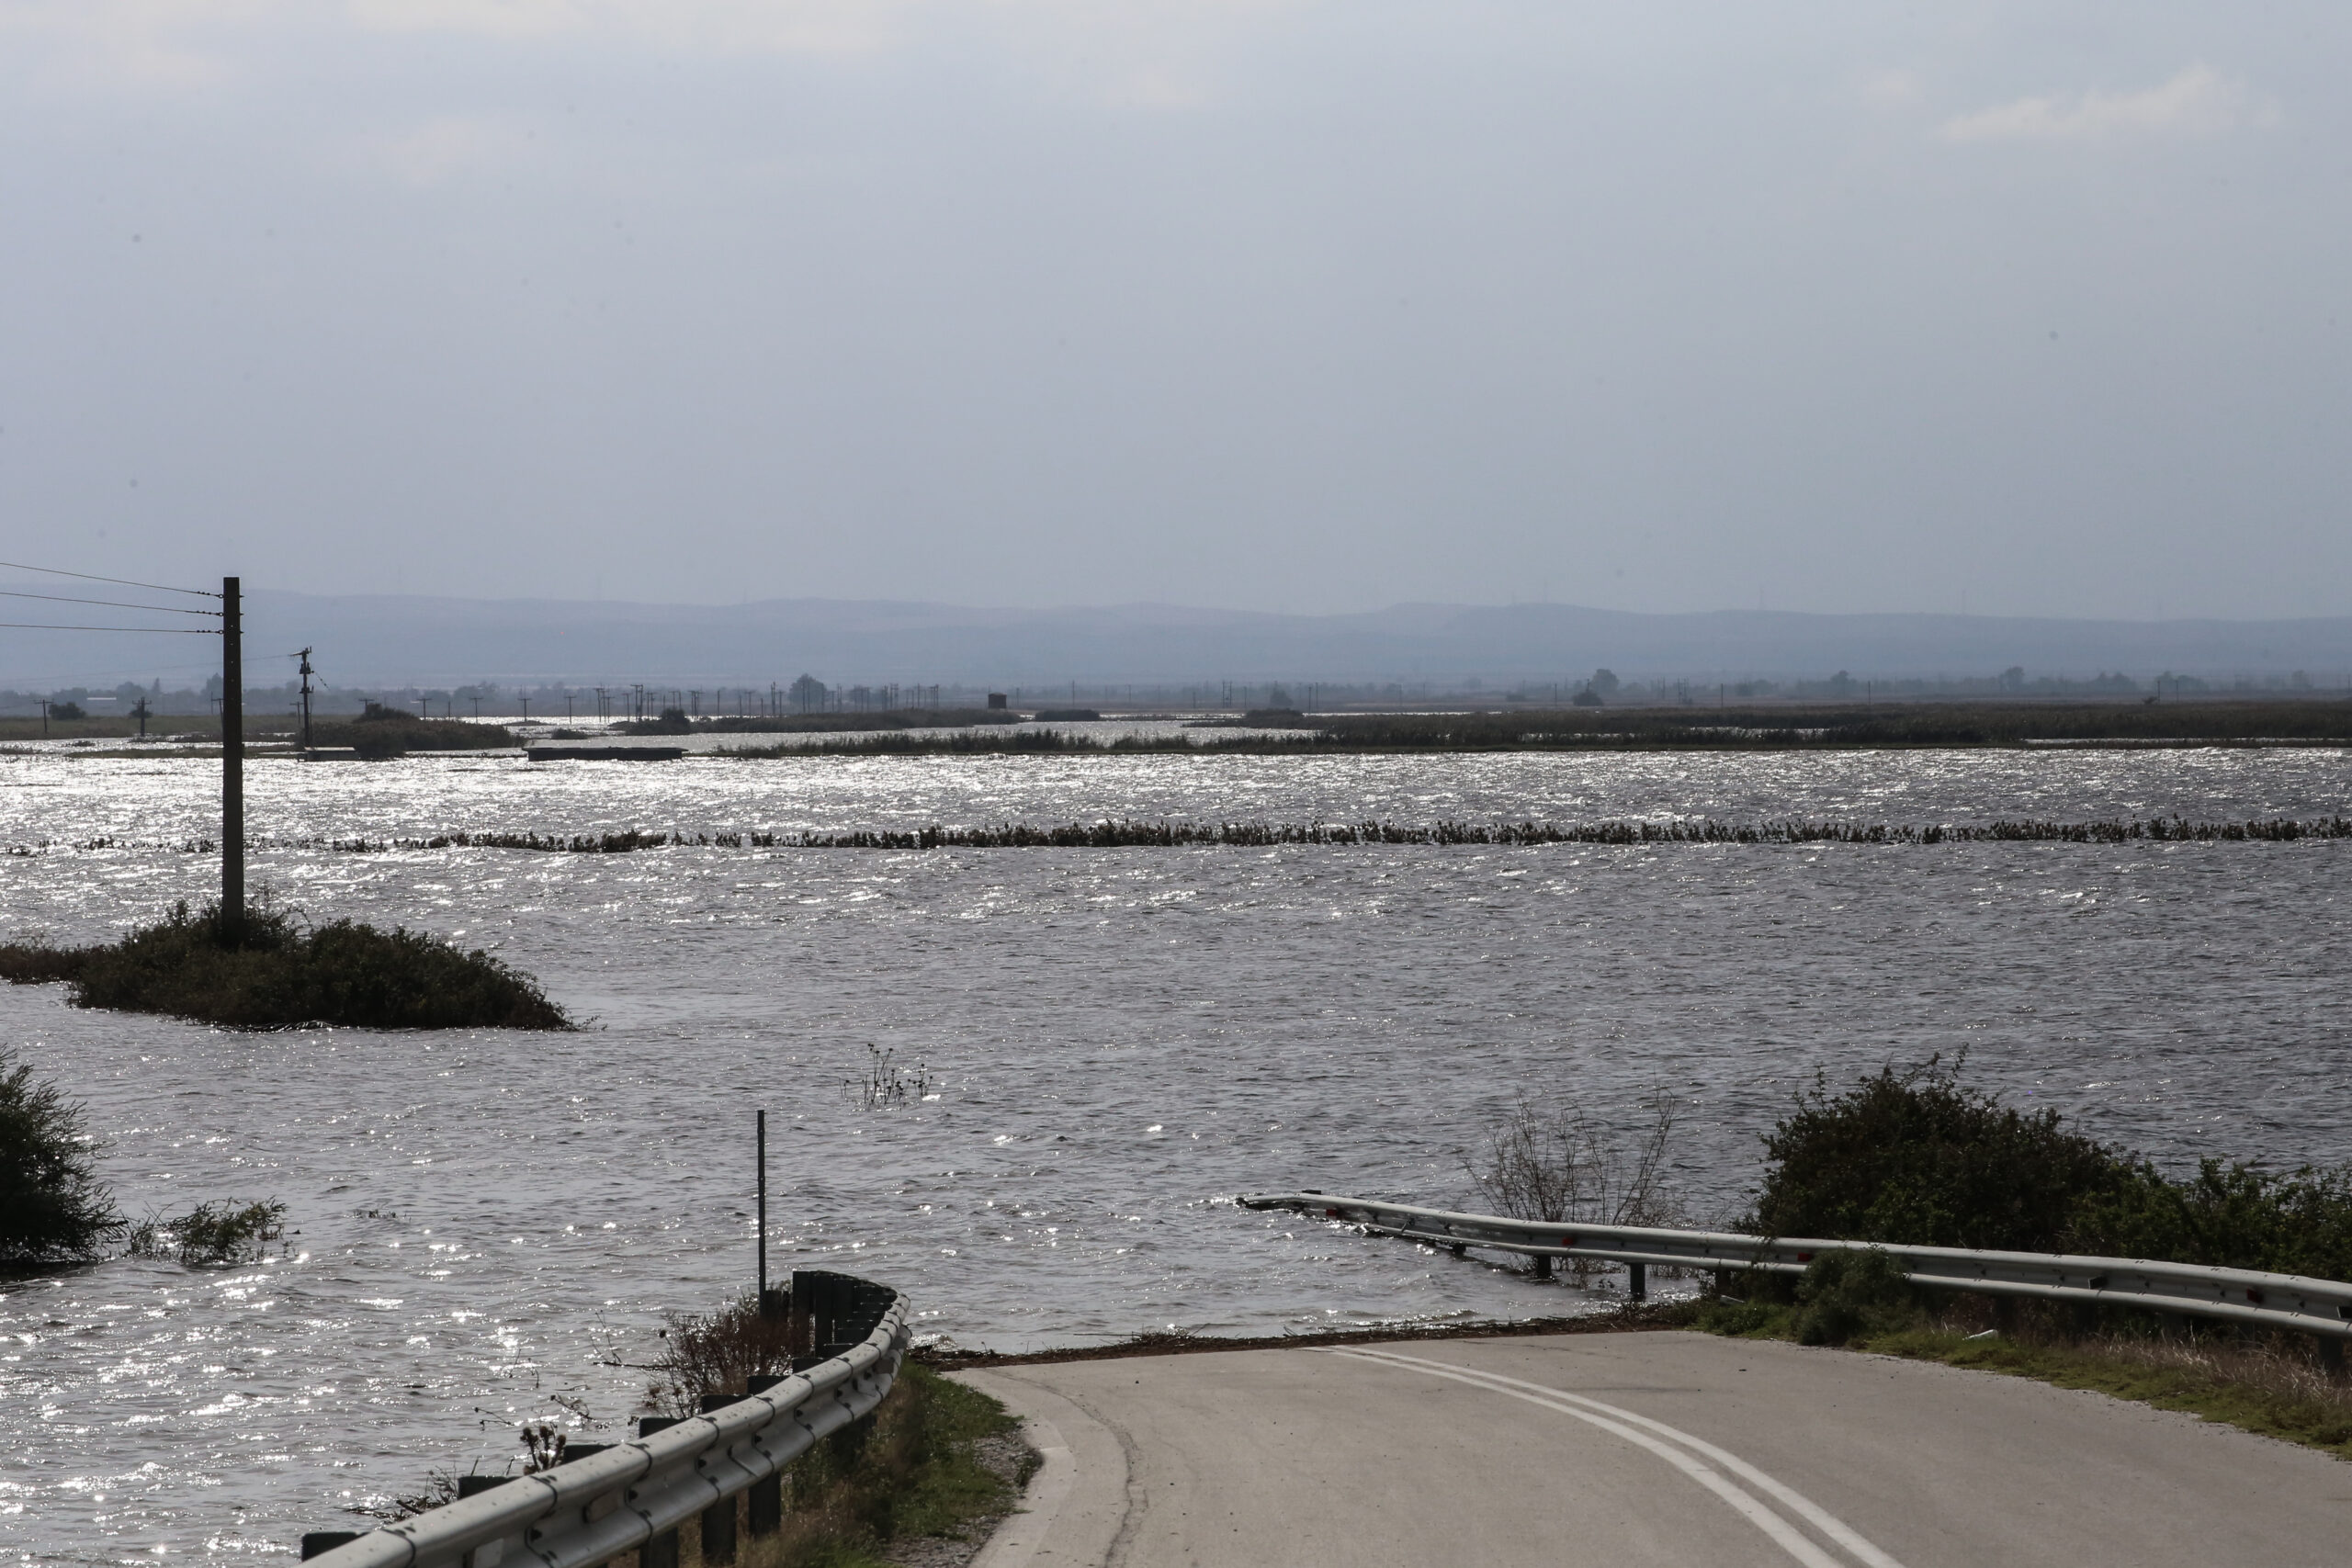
1819, 728
54, 1209
1847, 725
2263, 1382
933, 1459
280, 973
1261, 835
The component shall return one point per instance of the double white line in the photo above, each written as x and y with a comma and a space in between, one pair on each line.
1680, 1449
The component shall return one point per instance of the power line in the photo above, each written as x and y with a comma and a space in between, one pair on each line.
110, 604
117, 582
166, 631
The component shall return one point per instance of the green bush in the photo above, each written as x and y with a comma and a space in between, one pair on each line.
1844, 1295
52, 1209
2230, 1215
280, 974
1914, 1157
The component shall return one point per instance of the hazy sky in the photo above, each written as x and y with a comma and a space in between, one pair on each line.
2021, 308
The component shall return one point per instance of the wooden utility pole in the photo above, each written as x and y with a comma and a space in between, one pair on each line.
232, 766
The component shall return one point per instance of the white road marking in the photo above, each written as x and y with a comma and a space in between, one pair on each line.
1646, 1433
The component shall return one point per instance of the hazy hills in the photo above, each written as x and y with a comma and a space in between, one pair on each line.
387, 638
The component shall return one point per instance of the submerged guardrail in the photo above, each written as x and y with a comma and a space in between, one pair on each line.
2321, 1308
607, 1499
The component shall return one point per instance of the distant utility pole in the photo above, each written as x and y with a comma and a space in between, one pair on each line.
44, 715
233, 764
526, 710
305, 656
141, 711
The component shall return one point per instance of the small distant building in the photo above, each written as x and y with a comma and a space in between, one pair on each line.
996, 699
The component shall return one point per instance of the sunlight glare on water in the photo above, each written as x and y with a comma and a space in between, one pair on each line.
487, 1227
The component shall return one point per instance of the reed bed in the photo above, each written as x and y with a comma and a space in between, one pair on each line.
1136, 834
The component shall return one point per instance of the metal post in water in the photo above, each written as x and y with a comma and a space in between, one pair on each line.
232, 766
763, 1212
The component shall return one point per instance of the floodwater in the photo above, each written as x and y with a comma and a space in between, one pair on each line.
488, 1228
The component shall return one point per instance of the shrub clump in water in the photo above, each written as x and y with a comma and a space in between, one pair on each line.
52, 1208
281, 973
212, 1235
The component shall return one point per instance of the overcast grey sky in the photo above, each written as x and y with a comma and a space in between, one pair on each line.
2020, 308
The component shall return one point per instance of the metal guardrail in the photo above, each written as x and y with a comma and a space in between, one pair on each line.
632, 1496
2319, 1307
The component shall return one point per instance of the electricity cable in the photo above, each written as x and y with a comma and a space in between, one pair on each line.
117, 582
166, 631
110, 604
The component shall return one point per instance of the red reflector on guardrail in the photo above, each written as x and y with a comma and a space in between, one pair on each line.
1330, 1213
1804, 1257
2255, 1296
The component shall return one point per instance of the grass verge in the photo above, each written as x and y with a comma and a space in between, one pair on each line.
2271, 1384
935, 1461
283, 974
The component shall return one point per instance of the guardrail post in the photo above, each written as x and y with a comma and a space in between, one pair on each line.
717, 1541
1542, 1268
2331, 1354
1637, 1281
661, 1551
763, 1504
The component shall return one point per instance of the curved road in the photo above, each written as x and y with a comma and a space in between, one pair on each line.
1635, 1449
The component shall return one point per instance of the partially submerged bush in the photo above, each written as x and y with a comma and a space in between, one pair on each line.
715, 1352
212, 1234
52, 1208
281, 973
1548, 1161
394, 732
37, 963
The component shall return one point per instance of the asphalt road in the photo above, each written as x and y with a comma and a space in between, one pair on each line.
1635, 1449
